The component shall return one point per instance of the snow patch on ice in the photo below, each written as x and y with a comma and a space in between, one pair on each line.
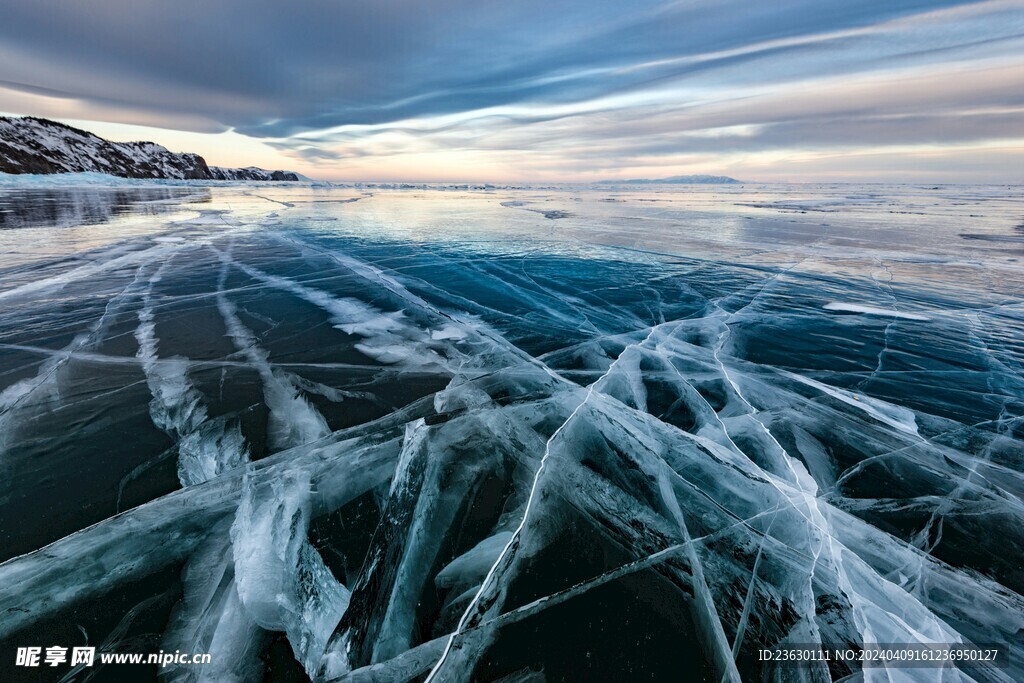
453, 332
872, 310
293, 420
206, 447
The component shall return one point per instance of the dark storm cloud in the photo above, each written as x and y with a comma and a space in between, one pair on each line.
276, 69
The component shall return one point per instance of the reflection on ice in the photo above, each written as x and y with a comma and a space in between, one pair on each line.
67, 207
438, 436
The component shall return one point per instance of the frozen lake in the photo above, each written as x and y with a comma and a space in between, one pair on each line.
571, 434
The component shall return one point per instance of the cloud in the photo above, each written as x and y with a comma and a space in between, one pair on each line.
329, 81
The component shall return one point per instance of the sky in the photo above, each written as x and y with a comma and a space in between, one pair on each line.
539, 90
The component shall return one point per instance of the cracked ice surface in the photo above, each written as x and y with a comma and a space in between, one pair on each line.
331, 435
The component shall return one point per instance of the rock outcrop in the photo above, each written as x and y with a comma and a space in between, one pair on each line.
34, 145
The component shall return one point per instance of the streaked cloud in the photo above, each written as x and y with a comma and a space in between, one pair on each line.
535, 89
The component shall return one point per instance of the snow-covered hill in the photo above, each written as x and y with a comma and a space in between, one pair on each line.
33, 145
675, 180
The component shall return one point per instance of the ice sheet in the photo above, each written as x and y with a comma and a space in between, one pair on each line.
436, 435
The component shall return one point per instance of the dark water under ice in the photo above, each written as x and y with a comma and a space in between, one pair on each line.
531, 435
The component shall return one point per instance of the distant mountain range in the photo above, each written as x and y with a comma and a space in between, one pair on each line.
33, 145
676, 180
